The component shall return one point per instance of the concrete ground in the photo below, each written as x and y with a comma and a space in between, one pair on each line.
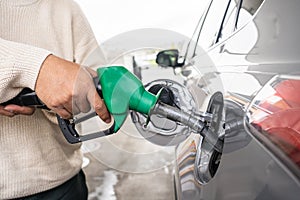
125, 166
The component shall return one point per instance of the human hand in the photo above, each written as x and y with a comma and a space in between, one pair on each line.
67, 89
12, 110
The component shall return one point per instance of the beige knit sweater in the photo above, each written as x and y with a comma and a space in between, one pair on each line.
34, 154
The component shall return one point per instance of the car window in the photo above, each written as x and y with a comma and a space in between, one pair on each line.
224, 17
275, 114
212, 23
239, 13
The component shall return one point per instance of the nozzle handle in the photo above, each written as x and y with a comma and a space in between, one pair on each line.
26, 97
72, 136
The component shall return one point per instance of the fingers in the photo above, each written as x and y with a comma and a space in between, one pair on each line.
101, 109
99, 106
80, 104
68, 89
87, 96
92, 72
12, 110
6, 112
62, 112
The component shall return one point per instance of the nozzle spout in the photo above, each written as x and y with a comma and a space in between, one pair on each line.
189, 120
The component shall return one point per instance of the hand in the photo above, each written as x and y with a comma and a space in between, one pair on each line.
12, 110
67, 89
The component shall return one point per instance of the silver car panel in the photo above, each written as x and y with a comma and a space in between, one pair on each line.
260, 45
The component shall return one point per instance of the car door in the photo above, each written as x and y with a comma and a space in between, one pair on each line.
197, 163
259, 157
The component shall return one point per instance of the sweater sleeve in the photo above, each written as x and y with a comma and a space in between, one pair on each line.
19, 67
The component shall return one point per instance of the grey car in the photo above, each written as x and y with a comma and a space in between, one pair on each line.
242, 67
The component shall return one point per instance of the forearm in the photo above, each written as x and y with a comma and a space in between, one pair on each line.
19, 67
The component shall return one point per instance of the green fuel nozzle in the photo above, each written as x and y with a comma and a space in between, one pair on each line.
123, 91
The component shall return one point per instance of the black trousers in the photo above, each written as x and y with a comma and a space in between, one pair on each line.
73, 189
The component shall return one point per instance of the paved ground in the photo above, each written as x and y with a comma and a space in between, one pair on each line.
125, 166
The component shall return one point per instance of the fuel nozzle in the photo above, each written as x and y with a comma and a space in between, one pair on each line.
123, 91
191, 120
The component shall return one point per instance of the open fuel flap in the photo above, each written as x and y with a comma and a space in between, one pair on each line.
208, 158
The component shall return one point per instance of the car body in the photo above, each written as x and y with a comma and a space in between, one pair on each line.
248, 51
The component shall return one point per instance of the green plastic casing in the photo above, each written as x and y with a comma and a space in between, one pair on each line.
123, 91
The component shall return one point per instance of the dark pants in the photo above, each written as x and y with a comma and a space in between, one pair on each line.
73, 189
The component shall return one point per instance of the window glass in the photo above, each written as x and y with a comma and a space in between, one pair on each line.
275, 113
212, 23
229, 21
236, 18
219, 21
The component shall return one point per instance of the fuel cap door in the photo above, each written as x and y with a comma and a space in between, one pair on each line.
207, 157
